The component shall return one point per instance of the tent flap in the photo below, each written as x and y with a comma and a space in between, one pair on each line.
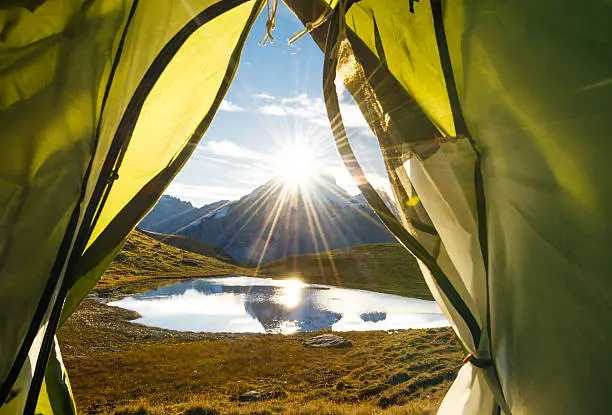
148, 62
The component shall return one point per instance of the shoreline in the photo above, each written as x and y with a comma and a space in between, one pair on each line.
119, 366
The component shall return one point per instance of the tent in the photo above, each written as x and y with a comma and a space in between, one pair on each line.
493, 119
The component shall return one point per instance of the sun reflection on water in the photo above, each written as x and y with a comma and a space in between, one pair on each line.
257, 305
290, 295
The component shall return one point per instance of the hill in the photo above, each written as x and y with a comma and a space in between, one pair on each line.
189, 244
118, 367
387, 268
144, 258
146, 262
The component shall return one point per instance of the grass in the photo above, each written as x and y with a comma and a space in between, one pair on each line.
119, 367
189, 244
387, 268
144, 262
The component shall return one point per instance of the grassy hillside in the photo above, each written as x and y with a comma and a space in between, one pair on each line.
122, 368
144, 258
385, 268
146, 261
190, 244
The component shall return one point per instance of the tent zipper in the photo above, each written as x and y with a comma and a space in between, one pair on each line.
461, 129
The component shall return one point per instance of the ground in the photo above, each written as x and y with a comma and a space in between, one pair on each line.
387, 268
119, 367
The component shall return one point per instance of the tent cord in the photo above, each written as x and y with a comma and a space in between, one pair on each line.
310, 26
272, 6
481, 363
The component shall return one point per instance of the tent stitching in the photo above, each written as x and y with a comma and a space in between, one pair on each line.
99, 248
77, 249
351, 163
461, 129
63, 251
128, 122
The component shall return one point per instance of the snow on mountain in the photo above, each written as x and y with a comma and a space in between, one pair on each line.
272, 223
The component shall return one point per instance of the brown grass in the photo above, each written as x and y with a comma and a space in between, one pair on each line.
387, 268
171, 372
118, 367
190, 244
144, 260
145, 263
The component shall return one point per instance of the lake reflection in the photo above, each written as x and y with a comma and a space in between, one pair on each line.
258, 305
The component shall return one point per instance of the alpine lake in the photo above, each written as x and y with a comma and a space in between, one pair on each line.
237, 304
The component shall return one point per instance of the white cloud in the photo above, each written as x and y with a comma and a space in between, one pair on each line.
230, 107
226, 148
311, 109
301, 99
264, 96
352, 117
341, 89
273, 110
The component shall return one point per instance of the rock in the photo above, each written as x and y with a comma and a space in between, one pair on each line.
328, 340
374, 317
250, 396
256, 395
189, 262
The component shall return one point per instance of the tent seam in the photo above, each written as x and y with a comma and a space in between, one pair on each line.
351, 163
47, 343
198, 132
65, 245
461, 128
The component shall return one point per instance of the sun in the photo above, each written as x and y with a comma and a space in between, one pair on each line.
291, 293
296, 166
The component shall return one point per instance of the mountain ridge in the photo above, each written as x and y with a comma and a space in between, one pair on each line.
274, 221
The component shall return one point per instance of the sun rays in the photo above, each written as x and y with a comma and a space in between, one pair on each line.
298, 207
299, 182
296, 166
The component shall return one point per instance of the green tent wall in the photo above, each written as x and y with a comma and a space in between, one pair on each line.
495, 115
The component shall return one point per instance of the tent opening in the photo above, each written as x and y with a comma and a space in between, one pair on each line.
328, 224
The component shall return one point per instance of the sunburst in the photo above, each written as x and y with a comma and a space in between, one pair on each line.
296, 166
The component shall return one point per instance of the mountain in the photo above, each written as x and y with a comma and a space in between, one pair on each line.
171, 214
273, 222
167, 208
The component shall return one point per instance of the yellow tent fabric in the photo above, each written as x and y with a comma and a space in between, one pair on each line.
101, 102
514, 181
494, 116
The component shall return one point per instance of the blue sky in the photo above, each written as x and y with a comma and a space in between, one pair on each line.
274, 102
